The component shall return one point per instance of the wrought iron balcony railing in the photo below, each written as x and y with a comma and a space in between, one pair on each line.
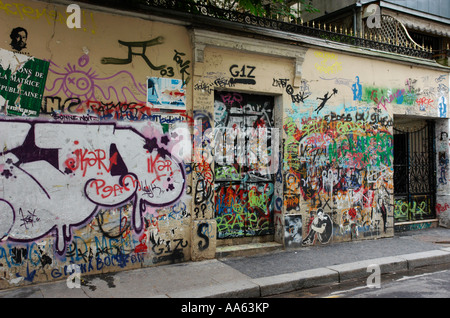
370, 40
382, 40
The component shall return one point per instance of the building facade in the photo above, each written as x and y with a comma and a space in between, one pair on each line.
136, 139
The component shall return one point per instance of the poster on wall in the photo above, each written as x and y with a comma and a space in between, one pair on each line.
166, 93
22, 83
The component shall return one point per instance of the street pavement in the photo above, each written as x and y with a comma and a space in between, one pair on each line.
259, 275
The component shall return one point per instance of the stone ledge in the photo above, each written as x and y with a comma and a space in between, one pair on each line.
246, 249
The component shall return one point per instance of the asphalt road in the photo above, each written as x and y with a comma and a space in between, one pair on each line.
429, 282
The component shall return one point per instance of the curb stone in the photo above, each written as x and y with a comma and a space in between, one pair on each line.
427, 258
360, 269
294, 281
234, 289
350, 271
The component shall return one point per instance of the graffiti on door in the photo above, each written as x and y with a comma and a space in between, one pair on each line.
245, 164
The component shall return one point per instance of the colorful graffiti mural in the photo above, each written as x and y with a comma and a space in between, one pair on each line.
342, 165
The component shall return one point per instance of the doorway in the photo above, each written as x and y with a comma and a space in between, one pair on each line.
414, 170
244, 182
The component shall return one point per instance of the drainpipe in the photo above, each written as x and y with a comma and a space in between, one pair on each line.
359, 13
356, 10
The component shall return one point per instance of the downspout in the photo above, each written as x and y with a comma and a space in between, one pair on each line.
356, 9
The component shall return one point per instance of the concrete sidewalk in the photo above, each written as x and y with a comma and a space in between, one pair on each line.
259, 275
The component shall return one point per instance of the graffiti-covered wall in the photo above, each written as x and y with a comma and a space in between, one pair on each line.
335, 114
131, 142
339, 143
95, 140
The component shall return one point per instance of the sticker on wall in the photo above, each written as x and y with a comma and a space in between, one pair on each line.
22, 83
19, 38
166, 93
